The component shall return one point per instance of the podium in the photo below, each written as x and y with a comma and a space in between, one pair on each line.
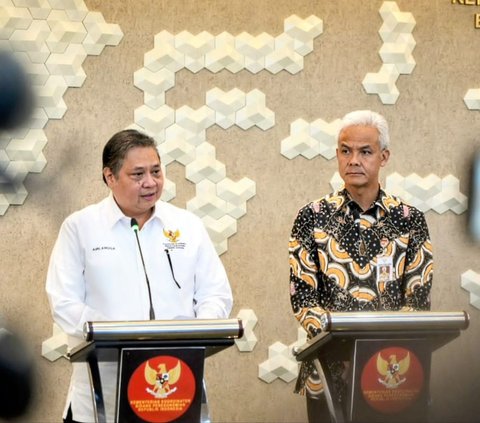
387, 357
160, 365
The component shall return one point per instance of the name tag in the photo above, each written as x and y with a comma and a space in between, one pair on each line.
385, 270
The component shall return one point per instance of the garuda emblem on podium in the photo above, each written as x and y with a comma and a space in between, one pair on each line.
162, 380
392, 370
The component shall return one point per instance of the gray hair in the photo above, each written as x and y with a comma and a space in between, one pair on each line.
368, 118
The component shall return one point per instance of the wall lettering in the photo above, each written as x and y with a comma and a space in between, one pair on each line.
467, 2
476, 20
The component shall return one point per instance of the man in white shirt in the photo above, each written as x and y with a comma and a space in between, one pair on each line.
97, 272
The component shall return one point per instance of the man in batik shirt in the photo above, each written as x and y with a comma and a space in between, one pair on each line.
357, 249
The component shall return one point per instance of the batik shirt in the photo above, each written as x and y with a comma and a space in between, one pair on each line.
346, 259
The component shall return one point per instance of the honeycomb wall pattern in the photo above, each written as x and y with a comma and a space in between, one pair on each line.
395, 52
181, 133
51, 39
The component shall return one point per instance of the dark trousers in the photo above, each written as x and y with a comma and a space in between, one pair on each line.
317, 410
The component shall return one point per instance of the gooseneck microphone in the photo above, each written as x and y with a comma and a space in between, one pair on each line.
134, 225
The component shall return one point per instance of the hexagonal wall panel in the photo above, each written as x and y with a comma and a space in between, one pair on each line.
428, 193
255, 112
281, 364
383, 83
225, 105
224, 55
311, 139
249, 320
303, 31
472, 99
470, 281
56, 346
220, 230
255, 49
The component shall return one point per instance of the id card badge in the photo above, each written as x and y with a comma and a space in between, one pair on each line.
385, 268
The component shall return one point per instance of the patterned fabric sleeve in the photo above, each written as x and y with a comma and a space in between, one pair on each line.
418, 264
304, 268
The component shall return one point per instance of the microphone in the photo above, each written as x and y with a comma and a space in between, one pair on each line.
134, 225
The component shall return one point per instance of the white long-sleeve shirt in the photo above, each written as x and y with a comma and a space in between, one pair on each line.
96, 274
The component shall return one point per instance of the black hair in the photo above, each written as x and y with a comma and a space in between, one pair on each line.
120, 144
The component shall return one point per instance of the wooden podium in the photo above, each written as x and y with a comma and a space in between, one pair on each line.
388, 357
160, 365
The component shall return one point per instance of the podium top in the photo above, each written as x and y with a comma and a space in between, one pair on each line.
439, 327
393, 320
163, 329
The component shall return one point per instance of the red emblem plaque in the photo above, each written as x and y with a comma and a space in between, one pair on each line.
161, 389
392, 380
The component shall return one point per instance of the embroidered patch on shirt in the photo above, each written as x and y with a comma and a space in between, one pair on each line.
173, 237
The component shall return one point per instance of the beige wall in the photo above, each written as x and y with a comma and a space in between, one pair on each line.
431, 129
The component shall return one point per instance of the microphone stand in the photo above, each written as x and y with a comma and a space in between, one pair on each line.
134, 225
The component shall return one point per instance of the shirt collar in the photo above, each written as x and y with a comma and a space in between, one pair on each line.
114, 214
159, 212
348, 201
